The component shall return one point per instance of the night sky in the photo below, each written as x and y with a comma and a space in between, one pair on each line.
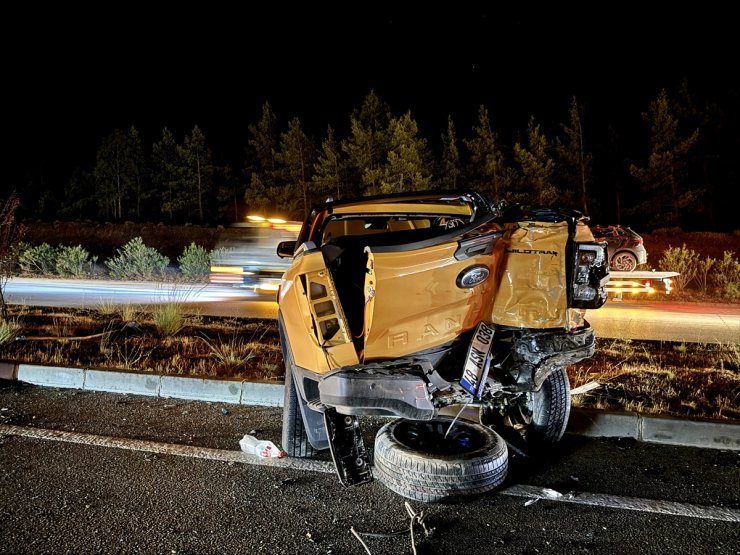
74, 76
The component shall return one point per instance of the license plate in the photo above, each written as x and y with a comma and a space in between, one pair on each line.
475, 371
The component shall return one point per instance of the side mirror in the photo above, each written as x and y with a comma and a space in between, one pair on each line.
285, 249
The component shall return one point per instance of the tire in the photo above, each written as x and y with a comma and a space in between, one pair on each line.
294, 437
624, 262
544, 418
413, 459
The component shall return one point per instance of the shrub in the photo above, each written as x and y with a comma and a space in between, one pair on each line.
137, 261
682, 260
39, 259
74, 261
195, 262
169, 318
219, 254
726, 277
703, 274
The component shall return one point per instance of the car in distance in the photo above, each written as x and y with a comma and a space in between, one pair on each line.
245, 254
625, 246
419, 305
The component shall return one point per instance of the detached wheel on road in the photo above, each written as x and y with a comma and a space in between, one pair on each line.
422, 461
624, 262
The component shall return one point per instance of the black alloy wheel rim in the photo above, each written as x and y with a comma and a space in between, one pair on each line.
433, 437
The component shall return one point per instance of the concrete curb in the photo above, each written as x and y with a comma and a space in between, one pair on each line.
655, 429
178, 387
587, 422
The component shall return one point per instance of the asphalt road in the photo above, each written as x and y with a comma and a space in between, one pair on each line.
704, 323
103, 495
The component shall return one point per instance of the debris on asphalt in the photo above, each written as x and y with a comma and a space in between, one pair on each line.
415, 518
225, 412
261, 448
548, 493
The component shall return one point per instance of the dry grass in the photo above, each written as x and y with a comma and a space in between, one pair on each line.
695, 380
134, 340
9, 330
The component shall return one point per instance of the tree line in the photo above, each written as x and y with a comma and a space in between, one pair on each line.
672, 183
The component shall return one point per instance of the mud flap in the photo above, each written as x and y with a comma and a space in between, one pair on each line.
347, 448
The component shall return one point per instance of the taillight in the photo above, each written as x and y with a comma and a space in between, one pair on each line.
590, 274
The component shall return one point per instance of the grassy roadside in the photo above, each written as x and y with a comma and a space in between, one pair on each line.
662, 378
160, 340
701, 381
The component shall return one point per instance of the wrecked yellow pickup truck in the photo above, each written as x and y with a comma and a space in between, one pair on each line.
414, 305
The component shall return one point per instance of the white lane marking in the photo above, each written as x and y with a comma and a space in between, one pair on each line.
629, 503
167, 448
517, 490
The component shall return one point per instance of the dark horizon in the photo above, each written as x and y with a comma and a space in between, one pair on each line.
74, 83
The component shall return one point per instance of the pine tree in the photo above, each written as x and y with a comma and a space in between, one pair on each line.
367, 146
262, 168
450, 169
136, 171
662, 176
574, 168
537, 168
230, 194
259, 197
296, 156
196, 174
408, 158
704, 158
488, 171
110, 175
79, 195
329, 168
166, 170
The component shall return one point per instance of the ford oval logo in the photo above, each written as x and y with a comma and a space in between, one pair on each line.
470, 277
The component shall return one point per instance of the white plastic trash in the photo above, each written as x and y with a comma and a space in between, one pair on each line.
259, 447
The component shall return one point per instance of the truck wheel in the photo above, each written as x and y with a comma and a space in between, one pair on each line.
294, 438
544, 416
421, 461
624, 262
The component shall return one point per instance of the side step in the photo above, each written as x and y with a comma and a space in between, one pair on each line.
347, 448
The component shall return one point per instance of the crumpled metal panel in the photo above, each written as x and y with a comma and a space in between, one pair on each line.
308, 312
532, 289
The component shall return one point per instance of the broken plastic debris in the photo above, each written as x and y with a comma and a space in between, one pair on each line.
547, 493
551, 493
585, 388
261, 448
